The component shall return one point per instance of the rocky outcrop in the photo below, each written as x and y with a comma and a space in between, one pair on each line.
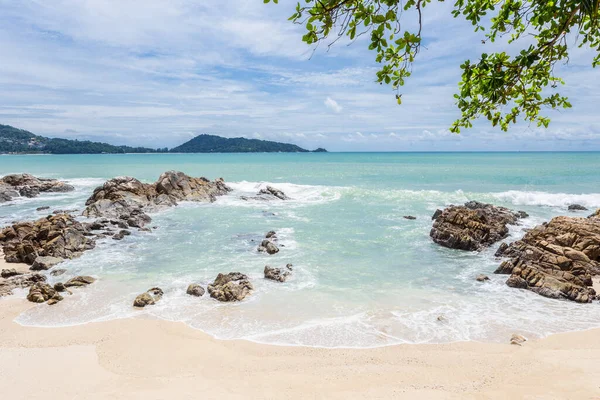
80, 281
148, 298
128, 199
59, 236
195, 290
278, 274
473, 226
556, 259
40, 292
233, 286
19, 281
27, 185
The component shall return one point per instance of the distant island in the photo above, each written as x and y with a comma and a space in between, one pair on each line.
19, 141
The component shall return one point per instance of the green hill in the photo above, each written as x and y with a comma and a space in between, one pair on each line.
13, 140
217, 144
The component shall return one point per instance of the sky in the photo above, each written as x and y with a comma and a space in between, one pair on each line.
156, 73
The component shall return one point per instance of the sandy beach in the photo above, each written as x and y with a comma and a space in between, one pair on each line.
151, 359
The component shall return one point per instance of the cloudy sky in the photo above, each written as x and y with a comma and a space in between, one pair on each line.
156, 73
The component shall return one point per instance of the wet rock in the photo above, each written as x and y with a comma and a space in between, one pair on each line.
233, 286
43, 208
121, 234
277, 274
55, 299
501, 249
268, 247
80, 281
43, 263
148, 298
60, 211
556, 259
522, 214
40, 292
19, 281
436, 214
482, 278
58, 272
60, 287
27, 185
577, 207
8, 273
270, 191
473, 226
195, 290
517, 340
442, 318
410, 217
60, 236
271, 234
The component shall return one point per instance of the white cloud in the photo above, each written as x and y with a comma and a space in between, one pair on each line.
333, 105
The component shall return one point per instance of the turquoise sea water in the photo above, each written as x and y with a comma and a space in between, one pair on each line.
364, 276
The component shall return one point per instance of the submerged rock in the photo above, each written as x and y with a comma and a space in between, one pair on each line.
233, 286
80, 281
148, 298
195, 290
58, 272
482, 278
278, 274
556, 259
473, 226
59, 236
410, 217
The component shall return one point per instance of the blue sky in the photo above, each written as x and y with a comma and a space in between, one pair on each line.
156, 73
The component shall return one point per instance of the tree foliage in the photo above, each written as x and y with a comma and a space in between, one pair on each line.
498, 86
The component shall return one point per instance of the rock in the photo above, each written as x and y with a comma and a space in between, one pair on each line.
40, 292
27, 185
268, 247
8, 273
271, 234
436, 214
148, 298
290, 267
80, 281
556, 259
19, 281
442, 318
60, 287
42, 208
277, 274
58, 272
517, 340
233, 286
60, 211
501, 249
577, 207
473, 226
60, 236
409, 217
121, 234
482, 278
55, 299
270, 191
43, 263
195, 290
522, 214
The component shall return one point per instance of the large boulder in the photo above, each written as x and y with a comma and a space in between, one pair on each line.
43, 263
59, 236
195, 289
473, 226
40, 292
27, 185
556, 259
233, 286
148, 298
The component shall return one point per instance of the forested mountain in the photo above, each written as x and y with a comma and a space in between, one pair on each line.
217, 144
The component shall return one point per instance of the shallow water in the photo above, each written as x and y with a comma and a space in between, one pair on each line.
363, 275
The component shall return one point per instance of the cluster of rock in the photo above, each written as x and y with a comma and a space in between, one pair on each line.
26, 185
268, 244
473, 226
45, 242
278, 274
269, 193
150, 297
556, 259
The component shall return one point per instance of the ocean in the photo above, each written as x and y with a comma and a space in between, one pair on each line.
363, 275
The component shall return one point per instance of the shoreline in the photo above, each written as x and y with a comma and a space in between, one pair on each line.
152, 358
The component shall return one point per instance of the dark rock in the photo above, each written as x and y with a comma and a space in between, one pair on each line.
148, 298
195, 290
409, 217
271, 234
42, 208
472, 226
522, 214
268, 247
233, 286
8, 273
42, 263
60, 287
276, 274
121, 234
482, 278
577, 207
27, 185
80, 281
501, 249
436, 214
270, 191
